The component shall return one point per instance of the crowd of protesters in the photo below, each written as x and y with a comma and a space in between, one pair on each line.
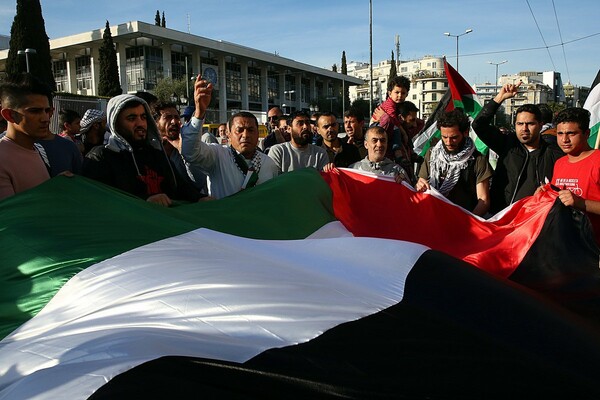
148, 149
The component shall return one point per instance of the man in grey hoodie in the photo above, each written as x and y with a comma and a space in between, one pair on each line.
134, 159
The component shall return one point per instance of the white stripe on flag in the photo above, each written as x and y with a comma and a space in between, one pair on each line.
201, 294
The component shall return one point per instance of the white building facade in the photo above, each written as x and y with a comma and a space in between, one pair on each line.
428, 81
244, 78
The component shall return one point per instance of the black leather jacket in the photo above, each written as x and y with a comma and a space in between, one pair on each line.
513, 160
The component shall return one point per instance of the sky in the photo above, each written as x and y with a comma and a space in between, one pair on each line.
532, 35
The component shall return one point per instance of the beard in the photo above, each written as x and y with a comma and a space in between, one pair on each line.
301, 139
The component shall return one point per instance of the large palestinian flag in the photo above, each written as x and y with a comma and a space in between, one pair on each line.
459, 95
303, 287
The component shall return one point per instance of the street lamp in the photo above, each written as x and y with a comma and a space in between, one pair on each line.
457, 36
496, 82
496, 64
26, 53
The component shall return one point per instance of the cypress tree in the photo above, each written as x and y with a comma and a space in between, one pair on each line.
344, 68
164, 21
393, 71
157, 18
28, 31
108, 81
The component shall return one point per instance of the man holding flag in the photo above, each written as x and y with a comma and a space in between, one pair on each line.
525, 159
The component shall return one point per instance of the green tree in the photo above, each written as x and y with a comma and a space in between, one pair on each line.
109, 84
346, 94
28, 31
334, 68
163, 23
157, 18
393, 71
167, 87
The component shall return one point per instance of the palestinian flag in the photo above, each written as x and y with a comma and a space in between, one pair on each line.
283, 291
592, 104
459, 95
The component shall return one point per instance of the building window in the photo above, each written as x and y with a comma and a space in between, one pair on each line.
61, 75
305, 90
433, 85
434, 65
414, 97
178, 61
272, 86
254, 84
233, 73
83, 72
290, 88
144, 67
433, 96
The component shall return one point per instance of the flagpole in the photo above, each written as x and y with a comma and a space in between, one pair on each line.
370, 58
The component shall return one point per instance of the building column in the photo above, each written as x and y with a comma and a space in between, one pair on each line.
95, 67
298, 102
244, 75
281, 93
122, 63
71, 73
222, 89
313, 90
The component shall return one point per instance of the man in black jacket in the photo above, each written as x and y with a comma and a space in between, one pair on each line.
525, 158
134, 159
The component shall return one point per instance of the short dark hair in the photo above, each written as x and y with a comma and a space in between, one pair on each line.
354, 112
241, 114
327, 114
532, 109
299, 113
161, 105
574, 114
406, 107
376, 129
15, 89
66, 116
400, 81
456, 117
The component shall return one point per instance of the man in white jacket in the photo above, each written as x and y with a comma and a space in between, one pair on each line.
229, 168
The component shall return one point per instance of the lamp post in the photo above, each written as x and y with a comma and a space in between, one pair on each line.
496, 82
457, 36
26, 53
497, 64
331, 99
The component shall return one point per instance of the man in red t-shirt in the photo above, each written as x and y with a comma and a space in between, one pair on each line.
577, 175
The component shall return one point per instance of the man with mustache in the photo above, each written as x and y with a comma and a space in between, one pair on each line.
230, 168
525, 159
455, 168
134, 159
299, 152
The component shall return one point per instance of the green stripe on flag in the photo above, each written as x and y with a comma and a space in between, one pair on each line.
52, 232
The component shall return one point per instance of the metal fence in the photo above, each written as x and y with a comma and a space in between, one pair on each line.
81, 105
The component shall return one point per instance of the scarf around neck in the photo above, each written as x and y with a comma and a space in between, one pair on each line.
445, 168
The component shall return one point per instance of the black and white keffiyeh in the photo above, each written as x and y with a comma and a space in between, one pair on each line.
445, 167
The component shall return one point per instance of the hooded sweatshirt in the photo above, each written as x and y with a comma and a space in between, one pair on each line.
143, 170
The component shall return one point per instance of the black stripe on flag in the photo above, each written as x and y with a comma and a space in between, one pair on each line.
457, 333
